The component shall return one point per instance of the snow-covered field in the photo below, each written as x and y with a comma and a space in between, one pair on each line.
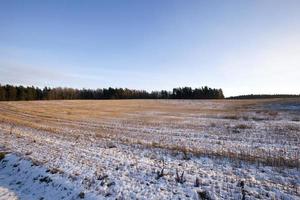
150, 149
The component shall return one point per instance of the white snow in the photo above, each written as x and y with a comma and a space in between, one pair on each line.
119, 158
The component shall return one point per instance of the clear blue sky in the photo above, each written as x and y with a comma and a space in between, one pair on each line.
242, 46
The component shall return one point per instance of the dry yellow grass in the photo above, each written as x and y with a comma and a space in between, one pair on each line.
86, 110
226, 128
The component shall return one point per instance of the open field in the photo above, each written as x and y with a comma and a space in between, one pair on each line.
138, 149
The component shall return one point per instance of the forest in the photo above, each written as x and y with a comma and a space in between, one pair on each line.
264, 96
21, 93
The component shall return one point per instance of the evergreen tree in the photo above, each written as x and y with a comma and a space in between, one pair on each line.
11, 93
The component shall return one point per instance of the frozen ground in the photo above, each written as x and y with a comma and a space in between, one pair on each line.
135, 149
22, 179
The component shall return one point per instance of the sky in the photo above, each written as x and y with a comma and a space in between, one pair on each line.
241, 46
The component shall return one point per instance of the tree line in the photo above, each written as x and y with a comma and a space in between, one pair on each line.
19, 93
264, 96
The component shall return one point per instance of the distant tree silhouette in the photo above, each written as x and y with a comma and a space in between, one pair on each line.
12, 93
2, 93
21, 93
264, 96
